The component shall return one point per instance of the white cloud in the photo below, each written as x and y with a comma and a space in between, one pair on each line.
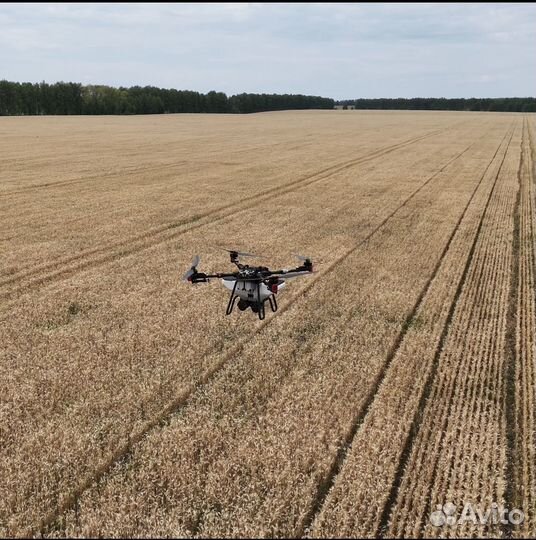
337, 50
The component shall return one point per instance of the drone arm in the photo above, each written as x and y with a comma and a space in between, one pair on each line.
292, 274
201, 277
304, 269
221, 275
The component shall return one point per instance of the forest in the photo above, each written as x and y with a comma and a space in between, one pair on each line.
75, 98
510, 104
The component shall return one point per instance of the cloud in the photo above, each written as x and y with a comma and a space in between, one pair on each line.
337, 50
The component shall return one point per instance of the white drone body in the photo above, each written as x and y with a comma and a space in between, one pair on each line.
247, 290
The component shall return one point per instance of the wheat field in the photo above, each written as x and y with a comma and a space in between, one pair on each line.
399, 377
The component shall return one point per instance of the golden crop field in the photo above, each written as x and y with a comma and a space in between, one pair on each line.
400, 376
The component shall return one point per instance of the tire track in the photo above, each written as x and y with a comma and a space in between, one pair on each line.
470, 409
102, 176
135, 170
423, 402
453, 335
340, 459
71, 500
519, 350
82, 261
510, 358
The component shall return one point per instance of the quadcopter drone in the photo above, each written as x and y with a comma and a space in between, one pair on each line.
252, 286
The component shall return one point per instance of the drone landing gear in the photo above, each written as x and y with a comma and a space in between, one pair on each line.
257, 307
273, 303
232, 301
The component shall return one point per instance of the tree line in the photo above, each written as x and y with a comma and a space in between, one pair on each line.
514, 104
75, 98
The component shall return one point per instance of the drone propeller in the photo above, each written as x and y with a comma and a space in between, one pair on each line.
192, 270
301, 257
307, 263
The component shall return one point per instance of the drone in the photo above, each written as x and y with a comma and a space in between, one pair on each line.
252, 286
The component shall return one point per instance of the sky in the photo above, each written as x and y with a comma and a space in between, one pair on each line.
342, 51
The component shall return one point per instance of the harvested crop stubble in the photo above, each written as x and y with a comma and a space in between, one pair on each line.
459, 453
28, 279
110, 181
522, 471
122, 416
108, 378
357, 503
245, 455
90, 377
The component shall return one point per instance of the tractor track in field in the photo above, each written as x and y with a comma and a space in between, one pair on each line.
92, 258
137, 170
510, 354
121, 453
83, 179
153, 168
515, 371
197, 166
529, 470
340, 459
415, 426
